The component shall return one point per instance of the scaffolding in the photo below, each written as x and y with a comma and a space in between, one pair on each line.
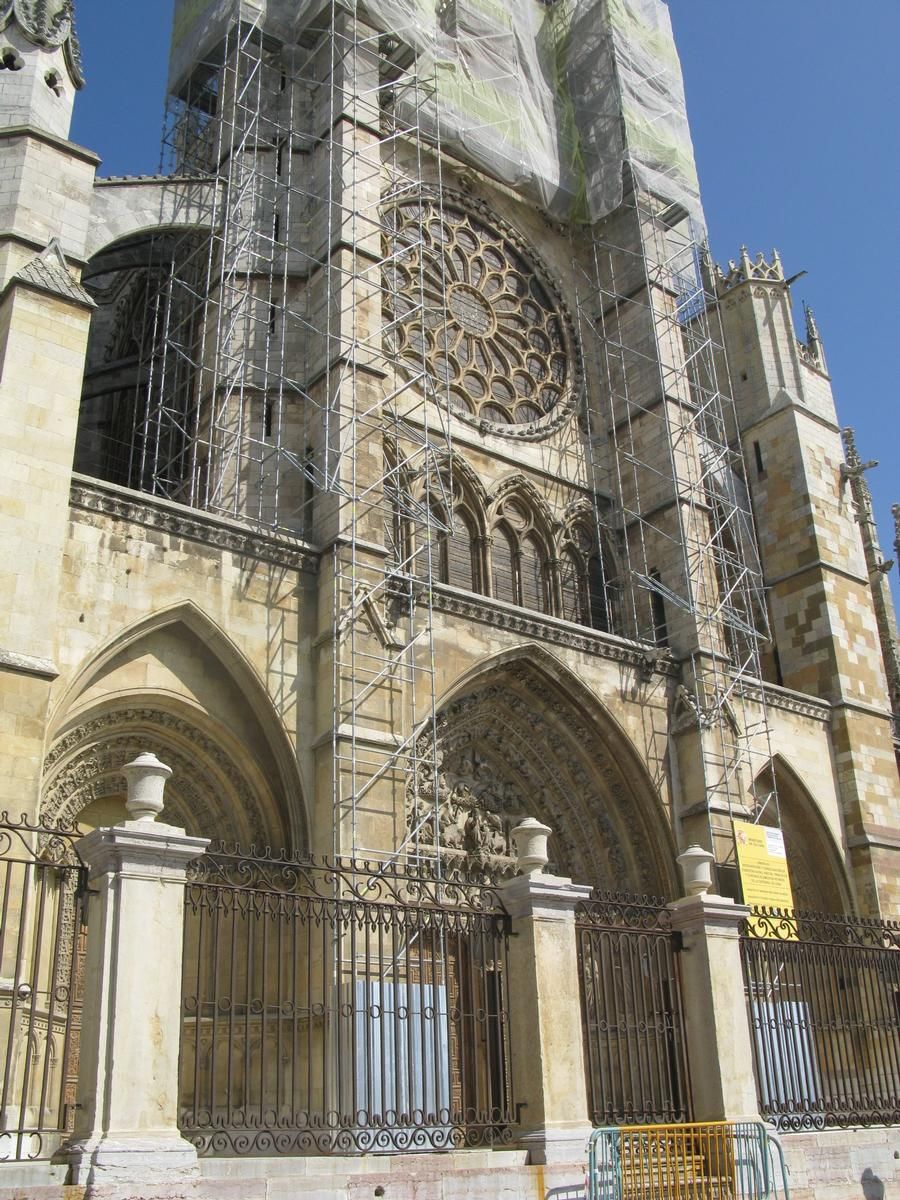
668, 449
278, 389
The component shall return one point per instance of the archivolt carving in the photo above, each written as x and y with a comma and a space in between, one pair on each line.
85, 765
514, 749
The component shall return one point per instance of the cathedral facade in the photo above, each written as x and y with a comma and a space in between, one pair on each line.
398, 467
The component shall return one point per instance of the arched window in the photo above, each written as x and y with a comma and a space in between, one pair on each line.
503, 565
598, 603
588, 583
431, 549
518, 557
531, 574
460, 554
445, 530
572, 578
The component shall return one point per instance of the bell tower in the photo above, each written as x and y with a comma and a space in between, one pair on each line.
44, 320
809, 506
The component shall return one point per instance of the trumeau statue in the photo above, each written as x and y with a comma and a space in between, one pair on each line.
47, 23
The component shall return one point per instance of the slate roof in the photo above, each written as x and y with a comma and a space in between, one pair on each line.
46, 275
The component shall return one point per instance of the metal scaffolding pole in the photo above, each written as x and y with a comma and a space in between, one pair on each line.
667, 446
276, 392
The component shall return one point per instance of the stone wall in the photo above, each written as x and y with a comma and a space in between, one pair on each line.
843, 1164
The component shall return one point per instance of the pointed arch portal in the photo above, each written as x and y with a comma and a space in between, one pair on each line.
175, 685
819, 880
524, 739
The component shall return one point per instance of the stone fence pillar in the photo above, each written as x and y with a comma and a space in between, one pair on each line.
717, 1026
126, 1126
545, 1005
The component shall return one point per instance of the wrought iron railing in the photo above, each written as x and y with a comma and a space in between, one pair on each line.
631, 1011
42, 886
342, 1007
712, 1160
824, 1000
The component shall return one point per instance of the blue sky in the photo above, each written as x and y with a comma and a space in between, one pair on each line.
794, 108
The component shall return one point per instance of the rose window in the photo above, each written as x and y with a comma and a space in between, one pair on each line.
491, 330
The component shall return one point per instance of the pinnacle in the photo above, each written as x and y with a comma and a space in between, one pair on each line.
47, 23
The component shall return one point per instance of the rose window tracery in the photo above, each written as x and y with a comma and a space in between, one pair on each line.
491, 330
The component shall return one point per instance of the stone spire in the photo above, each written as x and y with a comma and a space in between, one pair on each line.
47, 23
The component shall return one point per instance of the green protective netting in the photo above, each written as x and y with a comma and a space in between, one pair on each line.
549, 100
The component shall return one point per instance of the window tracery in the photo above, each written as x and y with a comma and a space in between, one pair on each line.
588, 581
519, 558
434, 528
454, 549
493, 330
445, 530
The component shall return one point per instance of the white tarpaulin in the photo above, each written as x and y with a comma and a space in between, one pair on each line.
550, 100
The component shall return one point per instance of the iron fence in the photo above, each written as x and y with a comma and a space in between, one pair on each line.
42, 886
824, 1001
631, 1011
342, 1007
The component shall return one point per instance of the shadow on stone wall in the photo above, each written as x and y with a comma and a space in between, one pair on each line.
872, 1186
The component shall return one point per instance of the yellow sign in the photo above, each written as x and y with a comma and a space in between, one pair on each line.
763, 867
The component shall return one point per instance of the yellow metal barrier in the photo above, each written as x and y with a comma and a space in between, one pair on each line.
716, 1160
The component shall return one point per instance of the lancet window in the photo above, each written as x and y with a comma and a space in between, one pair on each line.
519, 558
433, 530
588, 581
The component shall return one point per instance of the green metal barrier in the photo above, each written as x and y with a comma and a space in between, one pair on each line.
713, 1160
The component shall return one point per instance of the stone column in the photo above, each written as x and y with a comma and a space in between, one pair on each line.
717, 1026
126, 1136
545, 1005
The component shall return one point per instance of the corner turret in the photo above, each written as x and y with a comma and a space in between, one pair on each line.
40, 64
830, 608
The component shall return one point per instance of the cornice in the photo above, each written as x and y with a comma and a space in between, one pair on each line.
153, 512
788, 701
500, 615
11, 132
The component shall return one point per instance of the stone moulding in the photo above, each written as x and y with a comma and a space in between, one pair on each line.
28, 664
153, 512
549, 629
545, 628
793, 702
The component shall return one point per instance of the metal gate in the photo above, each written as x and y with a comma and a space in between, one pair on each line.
824, 998
42, 886
342, 1008
631, 1012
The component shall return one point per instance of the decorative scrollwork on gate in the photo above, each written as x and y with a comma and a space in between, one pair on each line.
42, 883
334, 1006
370, 882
